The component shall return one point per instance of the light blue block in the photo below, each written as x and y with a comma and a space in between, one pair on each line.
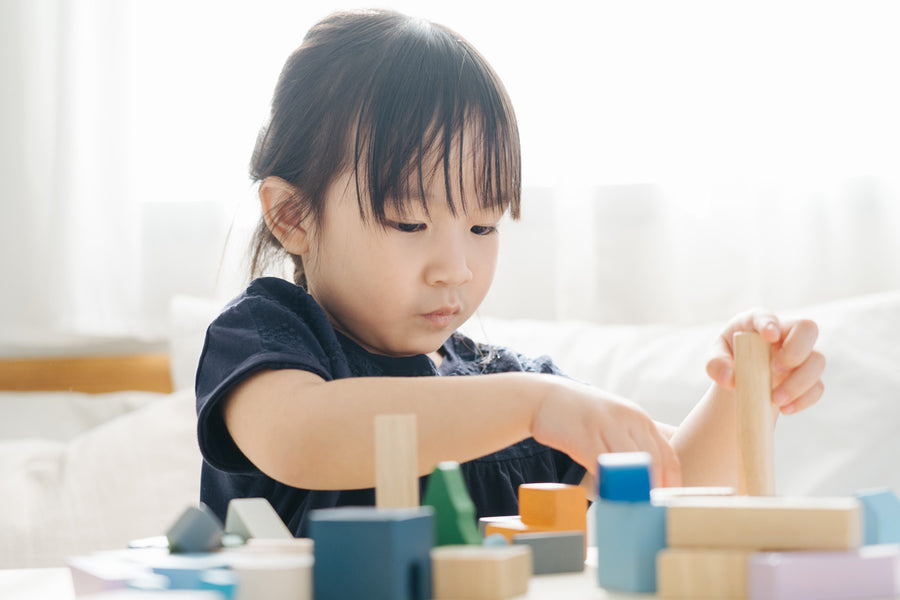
881, 516
624, 476
629, 535
369, 552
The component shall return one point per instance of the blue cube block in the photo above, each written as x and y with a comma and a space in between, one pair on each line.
624, 476
629, 535
881, 516
368, 552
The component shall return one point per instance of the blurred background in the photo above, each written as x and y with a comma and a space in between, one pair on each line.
682, 161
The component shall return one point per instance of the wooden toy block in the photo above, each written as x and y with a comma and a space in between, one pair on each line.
509, 527
629, 535
255, 518
185, 571
624, 476
702, 574
870, 572
881, 516
764, 523
495, 539
483, 522
223, 581
554, 551
274, 577
454, 512
755, 415
480, 573
151, 595
100, 573
664, 494
553, 506
198, 529
396, 462
369, 552
279, 546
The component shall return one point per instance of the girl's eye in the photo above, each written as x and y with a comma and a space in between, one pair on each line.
408, 227
483, 229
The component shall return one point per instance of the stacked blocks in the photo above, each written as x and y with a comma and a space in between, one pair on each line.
454, 512
781, 548
881, 515
544, 507
631, 529
480, 572
372, 553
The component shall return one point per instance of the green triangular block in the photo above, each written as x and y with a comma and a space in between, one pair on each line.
454, 513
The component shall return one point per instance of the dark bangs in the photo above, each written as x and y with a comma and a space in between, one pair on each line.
392, 99
435, 104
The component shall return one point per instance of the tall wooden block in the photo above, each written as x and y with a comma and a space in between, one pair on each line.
553, 506
755, 415
624, 476
764, 523
881, 515
454, 512
369, 552
629, 535
870, 572
702, 574
479, 572
396, 462
255, 518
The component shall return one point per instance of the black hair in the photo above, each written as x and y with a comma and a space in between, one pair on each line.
386, 97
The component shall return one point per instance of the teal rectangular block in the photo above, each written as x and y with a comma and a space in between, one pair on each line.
370, 552
629, 535
881, 516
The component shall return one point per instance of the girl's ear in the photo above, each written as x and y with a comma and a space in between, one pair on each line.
274, 195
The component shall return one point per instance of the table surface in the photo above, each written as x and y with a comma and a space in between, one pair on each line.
56, 584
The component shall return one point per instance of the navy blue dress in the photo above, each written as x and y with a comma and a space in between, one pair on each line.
275, 324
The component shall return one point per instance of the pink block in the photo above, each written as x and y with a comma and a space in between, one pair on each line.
865, 574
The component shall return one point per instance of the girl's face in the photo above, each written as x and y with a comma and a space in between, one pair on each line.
404, 289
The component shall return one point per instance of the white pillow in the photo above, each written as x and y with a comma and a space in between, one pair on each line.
128, 478
846, 442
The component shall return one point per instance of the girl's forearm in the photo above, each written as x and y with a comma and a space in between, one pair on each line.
313, 434
706, 441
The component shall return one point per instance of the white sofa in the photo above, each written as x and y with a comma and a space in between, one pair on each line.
80, 473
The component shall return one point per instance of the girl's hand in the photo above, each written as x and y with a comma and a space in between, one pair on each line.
585, 422
796, 366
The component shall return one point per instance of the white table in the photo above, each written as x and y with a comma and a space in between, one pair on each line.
56, 584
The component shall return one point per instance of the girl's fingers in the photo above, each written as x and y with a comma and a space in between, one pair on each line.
811, 396
767, 325
721, 370
801, 380
798, 344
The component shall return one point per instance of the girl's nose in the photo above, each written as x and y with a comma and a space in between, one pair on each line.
449, 265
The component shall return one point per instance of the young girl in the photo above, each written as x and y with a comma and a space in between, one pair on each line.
391, 155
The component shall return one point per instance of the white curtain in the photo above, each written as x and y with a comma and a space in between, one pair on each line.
683, 160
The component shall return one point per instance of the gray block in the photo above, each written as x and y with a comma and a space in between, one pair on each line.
554, 551
198, 529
